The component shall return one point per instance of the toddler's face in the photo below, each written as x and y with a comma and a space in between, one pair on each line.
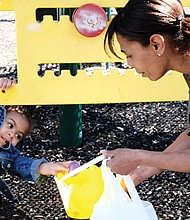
14, 128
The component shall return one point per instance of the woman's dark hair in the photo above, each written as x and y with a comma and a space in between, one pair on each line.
27, 110
140, 19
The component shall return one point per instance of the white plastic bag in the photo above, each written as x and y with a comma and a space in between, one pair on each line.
116, 204
78, 189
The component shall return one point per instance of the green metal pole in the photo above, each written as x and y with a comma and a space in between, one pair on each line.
70, 117
71, 125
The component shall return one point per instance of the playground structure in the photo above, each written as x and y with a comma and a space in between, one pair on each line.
59, 42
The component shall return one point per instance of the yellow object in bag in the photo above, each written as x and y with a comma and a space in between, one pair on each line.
80, 192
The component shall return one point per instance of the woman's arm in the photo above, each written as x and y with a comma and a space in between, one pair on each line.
175, 158
143, 172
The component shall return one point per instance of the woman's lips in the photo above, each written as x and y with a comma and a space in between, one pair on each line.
139, 73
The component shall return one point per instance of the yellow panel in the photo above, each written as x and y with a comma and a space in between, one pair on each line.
78, 3
65, 43
6, 5
185, 3
59, 42
98, 88
71, 4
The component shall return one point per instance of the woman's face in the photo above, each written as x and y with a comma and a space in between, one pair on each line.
14, 128
144, 59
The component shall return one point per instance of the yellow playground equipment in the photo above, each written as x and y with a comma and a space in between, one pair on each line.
49, 41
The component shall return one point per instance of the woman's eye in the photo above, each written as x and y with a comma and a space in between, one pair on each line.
10, 125
19, 136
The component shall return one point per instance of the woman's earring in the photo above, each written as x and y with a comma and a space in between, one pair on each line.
159, 54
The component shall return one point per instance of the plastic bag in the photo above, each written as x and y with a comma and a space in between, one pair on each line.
80, 192
116, 204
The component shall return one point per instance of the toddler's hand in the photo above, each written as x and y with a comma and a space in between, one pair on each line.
54, 168
6, 83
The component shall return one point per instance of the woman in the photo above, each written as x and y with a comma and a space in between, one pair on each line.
155, 37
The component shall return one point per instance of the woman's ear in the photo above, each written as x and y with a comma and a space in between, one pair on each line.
158, 43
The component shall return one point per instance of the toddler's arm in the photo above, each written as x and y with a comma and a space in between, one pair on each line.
53, 168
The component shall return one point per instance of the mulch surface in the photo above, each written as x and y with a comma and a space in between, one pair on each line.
151, 126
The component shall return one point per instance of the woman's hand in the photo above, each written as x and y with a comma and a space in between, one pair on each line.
122, 160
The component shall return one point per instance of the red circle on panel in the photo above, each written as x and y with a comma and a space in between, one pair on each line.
90, 20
